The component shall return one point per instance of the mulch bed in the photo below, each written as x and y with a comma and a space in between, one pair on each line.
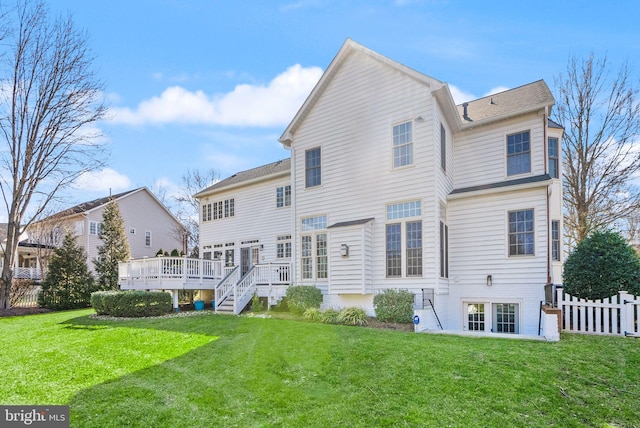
371, 322
15, 312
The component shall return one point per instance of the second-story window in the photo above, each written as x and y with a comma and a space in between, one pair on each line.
518, 153
554, 159
313, 167
402, 145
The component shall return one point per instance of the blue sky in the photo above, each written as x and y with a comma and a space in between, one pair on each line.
212, 84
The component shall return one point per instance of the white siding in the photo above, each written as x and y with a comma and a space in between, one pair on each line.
256, 219
480, 154
479, 246
353, 123
352, 273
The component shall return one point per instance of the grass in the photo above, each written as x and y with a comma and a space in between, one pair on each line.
215, 370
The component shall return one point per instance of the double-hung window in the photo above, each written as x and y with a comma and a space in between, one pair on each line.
402, 145
283, 196
554, 158
314, 248
555, 240
95, 228
313, 167
283, 247
518, 153
147, 238
521, 233
404, 240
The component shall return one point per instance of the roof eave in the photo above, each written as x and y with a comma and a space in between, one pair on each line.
209, 192
512, 114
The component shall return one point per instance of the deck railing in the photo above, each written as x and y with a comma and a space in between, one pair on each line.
164, 270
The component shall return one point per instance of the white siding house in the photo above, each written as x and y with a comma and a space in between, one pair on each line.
454, 202
393, 186
148, 224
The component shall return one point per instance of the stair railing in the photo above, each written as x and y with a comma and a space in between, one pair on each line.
243, 290
225, 287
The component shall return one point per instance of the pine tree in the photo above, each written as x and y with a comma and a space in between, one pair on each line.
114, 248
68, 283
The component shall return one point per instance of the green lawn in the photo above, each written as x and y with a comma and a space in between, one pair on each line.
215, 370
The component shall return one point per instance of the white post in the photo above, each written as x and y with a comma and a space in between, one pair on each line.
175, 300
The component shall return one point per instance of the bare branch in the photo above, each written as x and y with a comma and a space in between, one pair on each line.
49, 97
601, 115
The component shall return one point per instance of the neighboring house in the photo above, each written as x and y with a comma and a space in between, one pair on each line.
148, 224
390, 185
26, 265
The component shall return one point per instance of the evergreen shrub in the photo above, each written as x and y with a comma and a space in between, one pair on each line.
302, 297
394, 306
601, 265
131, 303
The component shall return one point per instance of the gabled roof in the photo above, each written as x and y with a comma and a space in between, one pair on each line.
274, 169
89, 206
524, 99
516, 101
348, 48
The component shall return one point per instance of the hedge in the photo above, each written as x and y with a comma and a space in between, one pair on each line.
131, 303
302, 297
394, 306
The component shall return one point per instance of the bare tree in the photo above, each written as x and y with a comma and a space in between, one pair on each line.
49, 98
187, 209
601, 116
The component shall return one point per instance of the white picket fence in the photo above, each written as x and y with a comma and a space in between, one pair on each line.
617, 315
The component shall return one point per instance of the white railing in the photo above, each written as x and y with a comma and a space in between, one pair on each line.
24, 272
156, 270
616, 315
244, 289
225, 288
27, 273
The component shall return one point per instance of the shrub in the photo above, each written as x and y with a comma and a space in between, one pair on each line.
69, 284
600, 266
257, 305
131, 303
394, 306
312, 314
352, 316
302, 297
330, 316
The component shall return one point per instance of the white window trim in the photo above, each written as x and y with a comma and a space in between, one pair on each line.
313, 233
535, 234
505, 148
489, 316
413, 146
403, 220
304, 169
150, 235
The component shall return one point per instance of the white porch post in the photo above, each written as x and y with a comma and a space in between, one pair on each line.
175, 300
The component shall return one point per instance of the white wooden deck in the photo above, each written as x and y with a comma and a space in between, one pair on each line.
182, 273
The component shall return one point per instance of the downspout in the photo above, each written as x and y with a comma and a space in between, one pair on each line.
294, 234
549, 190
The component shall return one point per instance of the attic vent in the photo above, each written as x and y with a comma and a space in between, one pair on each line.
464, 114
492, 103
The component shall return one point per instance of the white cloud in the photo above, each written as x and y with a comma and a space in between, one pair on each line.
103, 181
496, 90
247, 105
459, 96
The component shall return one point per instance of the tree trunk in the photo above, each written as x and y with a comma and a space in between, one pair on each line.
8, 259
